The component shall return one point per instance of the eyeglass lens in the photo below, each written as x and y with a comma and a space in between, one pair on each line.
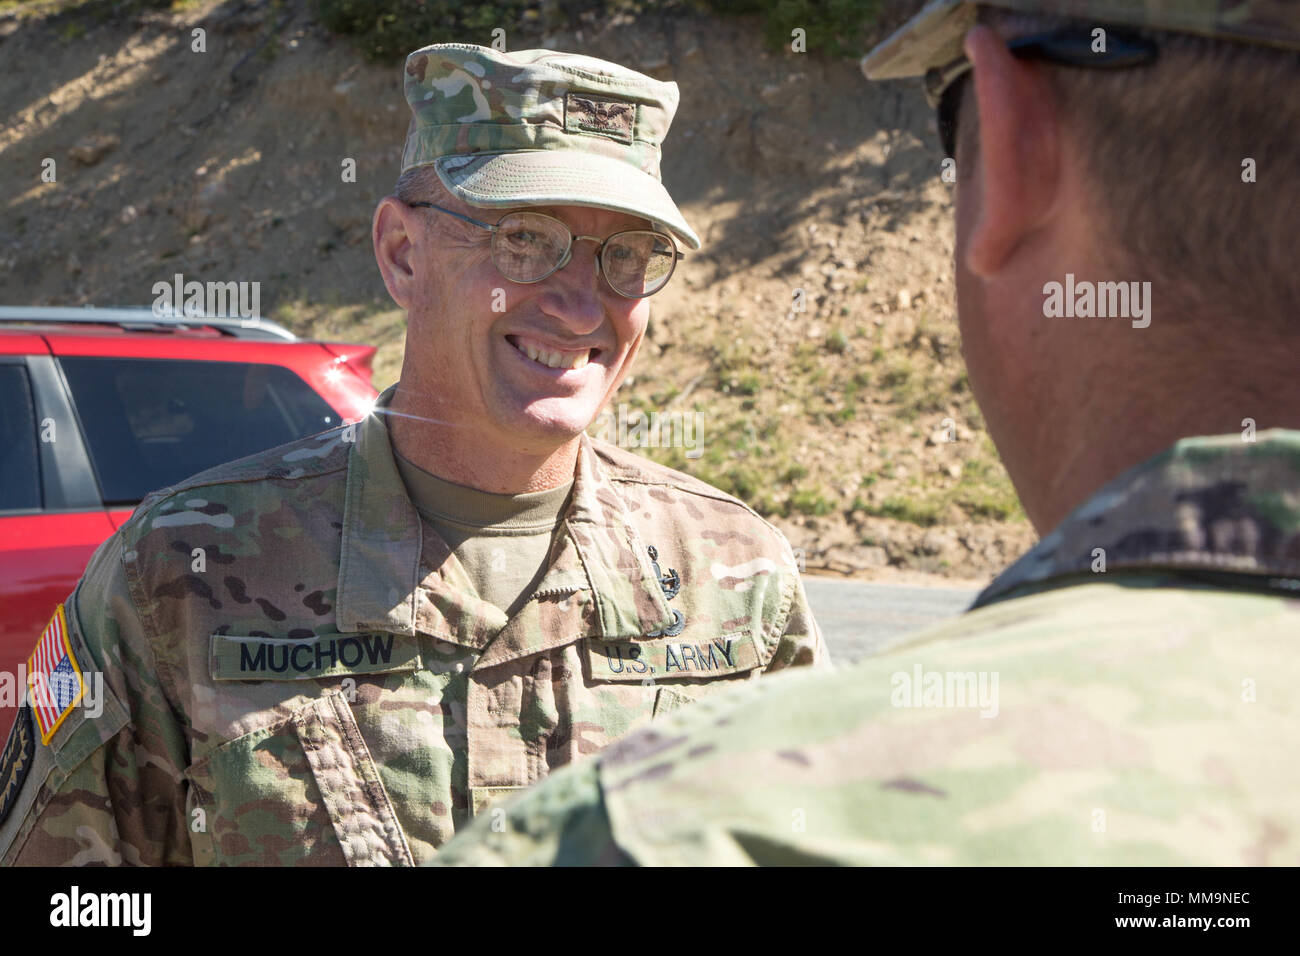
527, 247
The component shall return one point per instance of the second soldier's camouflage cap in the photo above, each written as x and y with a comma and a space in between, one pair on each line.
933, 38
541, 128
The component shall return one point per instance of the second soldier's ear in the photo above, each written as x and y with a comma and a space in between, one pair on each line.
1016, 174
391, 233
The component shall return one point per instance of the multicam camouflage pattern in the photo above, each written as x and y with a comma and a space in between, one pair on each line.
541, 127
1209, 504
298, 671
472, 99
1139, 716
934, 36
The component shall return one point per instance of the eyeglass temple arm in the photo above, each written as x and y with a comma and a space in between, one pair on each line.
434, 205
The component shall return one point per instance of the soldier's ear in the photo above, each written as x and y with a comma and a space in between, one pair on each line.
1017, 172
391, 232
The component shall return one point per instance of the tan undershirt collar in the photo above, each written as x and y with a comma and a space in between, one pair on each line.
443, 501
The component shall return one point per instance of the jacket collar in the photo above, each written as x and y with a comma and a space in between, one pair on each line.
379, 561
628, 594
1219, 504
380, 586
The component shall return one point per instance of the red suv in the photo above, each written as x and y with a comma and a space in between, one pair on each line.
98, 407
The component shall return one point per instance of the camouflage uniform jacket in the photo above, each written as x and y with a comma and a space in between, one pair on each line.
296, 670
1134, 713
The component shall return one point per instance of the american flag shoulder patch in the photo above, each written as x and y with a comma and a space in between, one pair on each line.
54, 680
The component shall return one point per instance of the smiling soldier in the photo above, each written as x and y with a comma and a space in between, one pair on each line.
396, 622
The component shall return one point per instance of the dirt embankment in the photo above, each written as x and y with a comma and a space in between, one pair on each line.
806, 183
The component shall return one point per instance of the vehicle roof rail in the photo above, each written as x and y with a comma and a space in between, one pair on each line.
144, 319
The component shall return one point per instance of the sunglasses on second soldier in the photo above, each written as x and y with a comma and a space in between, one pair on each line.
1068, 47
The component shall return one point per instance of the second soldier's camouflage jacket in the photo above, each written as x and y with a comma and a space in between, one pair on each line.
1123, 695
296, 670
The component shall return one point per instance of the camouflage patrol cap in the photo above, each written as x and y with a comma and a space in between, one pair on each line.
934, 36
539, 127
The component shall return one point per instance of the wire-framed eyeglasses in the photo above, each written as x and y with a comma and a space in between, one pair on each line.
529, 246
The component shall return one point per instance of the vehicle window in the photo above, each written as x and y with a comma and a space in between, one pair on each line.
20, 473
151, 422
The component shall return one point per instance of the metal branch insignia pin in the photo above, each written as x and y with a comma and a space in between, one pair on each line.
670, 584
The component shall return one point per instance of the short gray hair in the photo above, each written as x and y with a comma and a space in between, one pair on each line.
420, 184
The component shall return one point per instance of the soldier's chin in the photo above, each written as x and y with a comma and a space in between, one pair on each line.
555, 421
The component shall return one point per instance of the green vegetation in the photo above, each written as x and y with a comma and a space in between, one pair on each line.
918, 510
834, 27
99, 9
748, 384
808, 501
387, 31
917, 387
983, 492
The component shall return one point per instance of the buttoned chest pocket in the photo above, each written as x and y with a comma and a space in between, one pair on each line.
304, 789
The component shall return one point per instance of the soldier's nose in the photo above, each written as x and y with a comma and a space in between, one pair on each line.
573, 293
